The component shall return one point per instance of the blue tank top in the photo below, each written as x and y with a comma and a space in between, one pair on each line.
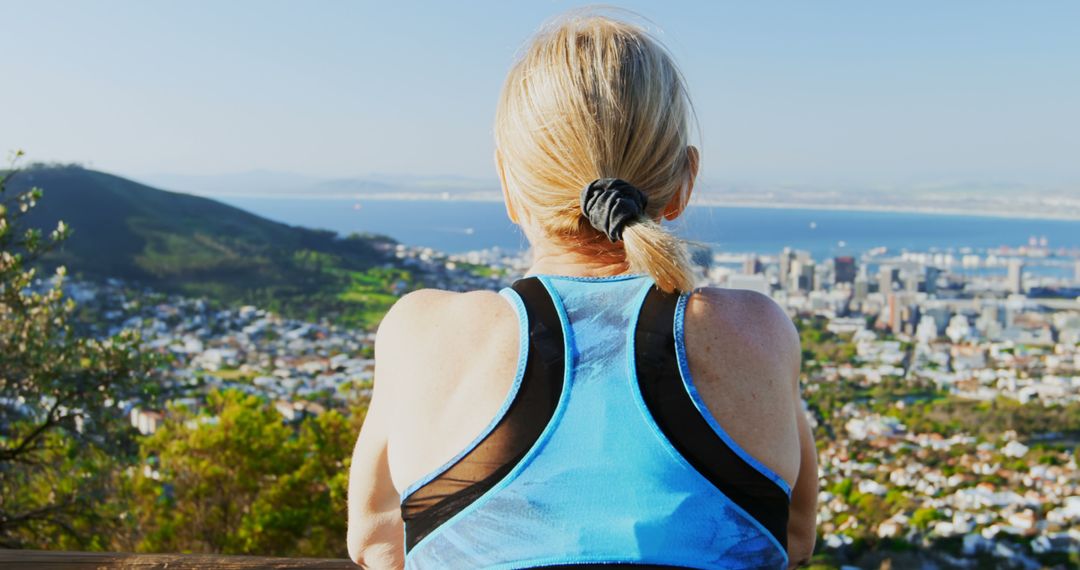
603, 452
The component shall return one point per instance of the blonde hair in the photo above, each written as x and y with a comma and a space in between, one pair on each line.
594, 97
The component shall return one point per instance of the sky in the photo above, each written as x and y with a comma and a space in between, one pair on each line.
823, 92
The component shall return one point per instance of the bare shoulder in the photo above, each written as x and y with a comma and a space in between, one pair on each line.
746, 323
743, 353
428, 323
432, 313
447, 360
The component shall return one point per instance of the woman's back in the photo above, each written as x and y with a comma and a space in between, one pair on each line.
614, 417
740, 356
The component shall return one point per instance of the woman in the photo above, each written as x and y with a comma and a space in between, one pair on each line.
601, 410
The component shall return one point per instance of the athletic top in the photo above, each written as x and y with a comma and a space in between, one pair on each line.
603, 453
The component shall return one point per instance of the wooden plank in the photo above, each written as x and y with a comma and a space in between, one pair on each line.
94, 560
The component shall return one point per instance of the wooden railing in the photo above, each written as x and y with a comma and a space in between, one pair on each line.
79, 560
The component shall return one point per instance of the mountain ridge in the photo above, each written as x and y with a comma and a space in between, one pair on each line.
195, 245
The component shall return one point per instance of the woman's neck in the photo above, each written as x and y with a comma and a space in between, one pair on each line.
553, 259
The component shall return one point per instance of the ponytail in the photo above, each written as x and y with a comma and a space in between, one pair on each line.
619, 210
653, 250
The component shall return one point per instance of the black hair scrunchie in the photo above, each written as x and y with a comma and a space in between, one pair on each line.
610, 204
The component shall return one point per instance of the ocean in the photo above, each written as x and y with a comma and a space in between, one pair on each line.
455, 226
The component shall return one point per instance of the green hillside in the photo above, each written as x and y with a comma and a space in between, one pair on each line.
188, 244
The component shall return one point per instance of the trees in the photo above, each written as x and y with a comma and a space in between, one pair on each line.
61, 393
303, 512
233, 478
203, 472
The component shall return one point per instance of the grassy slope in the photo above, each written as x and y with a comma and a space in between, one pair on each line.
197, 246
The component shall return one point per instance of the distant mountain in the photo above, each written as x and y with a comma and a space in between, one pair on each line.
1013, 200
946, 196
195, 245
268, 183
250, 182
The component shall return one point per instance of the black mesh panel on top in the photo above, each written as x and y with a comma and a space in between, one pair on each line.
674, 412
497, 453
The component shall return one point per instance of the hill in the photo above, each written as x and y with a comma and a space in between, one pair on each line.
197, 246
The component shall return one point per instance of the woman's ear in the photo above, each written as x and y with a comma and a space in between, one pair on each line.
505, 190
680, 200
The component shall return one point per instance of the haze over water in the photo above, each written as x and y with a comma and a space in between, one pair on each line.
457, 226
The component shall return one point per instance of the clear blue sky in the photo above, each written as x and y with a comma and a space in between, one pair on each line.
816, 92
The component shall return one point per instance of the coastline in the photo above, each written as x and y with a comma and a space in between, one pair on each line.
705, 201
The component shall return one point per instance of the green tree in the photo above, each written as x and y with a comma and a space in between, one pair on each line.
61, 393
303, 512
234, 478
922, 517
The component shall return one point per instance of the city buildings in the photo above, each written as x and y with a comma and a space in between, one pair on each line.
908, 328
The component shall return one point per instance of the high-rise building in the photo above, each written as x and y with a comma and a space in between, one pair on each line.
895, 321
1015, 281
786, 257
844, 269
932, 274
887, 275
911, 280
802, 275
751, 265
912, 315
860, 288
